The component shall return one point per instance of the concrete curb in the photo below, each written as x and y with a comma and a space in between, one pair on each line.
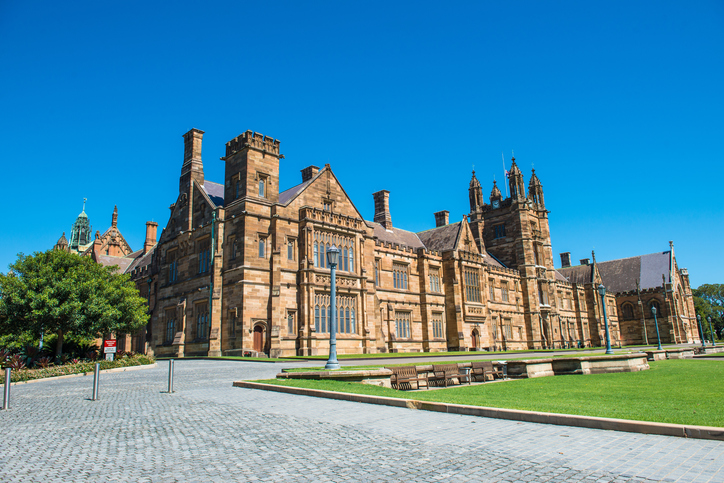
610, 424
104, 371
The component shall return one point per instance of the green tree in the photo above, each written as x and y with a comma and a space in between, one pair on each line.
709, 302
64, 293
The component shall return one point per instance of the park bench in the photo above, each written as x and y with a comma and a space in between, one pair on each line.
447, 372
481, 369
407, 375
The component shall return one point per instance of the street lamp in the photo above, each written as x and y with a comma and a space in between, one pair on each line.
656, 322
332, 257
602, 292
711, 331
701, 331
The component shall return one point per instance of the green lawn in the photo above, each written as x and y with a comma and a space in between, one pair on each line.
673, 391
391, 355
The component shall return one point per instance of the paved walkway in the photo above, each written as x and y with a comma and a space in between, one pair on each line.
211, 431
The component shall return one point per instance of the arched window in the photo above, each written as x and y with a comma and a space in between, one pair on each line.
316, 254
351, 312
627, 310
346, 321
324, 320
351, 258
316, 318
344, 261
652, 304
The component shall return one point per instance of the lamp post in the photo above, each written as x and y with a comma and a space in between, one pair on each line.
602, 292
332, 257
701, 331
711, 331
656, 322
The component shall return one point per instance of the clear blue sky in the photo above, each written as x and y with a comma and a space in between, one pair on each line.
617, 104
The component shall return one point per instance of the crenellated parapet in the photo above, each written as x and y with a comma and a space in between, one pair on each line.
253, 140
327, 217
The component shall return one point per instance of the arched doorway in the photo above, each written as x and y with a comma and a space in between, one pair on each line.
259, 338
474, 337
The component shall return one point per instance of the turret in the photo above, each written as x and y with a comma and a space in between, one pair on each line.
476, 195
515, 181
495, 195
535, 191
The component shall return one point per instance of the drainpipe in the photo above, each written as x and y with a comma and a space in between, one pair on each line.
211, 276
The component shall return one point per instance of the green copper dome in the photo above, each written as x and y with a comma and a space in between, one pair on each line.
80, 234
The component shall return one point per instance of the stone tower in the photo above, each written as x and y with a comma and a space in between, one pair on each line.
252, 168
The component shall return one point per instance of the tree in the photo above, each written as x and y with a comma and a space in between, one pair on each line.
60, 292
709, 302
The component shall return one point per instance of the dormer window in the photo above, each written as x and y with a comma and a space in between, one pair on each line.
327, 204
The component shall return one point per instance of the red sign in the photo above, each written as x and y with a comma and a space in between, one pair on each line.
109, 346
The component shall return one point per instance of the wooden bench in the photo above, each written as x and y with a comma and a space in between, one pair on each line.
481, 369
447, 372
407, 375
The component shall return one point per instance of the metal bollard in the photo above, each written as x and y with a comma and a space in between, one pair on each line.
170, 376
6, 396
96, 371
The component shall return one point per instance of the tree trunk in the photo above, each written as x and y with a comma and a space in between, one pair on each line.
59, 344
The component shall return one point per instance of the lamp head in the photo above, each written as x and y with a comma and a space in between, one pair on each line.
698, 317
709, 319
653, 310
601, 290
332, 256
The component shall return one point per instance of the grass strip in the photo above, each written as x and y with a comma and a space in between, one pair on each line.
674, 391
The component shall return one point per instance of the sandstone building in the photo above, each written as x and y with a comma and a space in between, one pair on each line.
240, 268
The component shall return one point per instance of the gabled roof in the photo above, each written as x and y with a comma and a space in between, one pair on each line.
442, 238
140, 259
288, 195
621, 275
108, 261
215, 192
395, 235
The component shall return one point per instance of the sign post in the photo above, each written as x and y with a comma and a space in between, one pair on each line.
109, 348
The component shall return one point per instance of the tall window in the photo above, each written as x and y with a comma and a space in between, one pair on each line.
290, 249
291, 328
232, 323
437, 331
262, 187
377, 273
399, 276
237, 186
472, 285
435, 280
171, 258
204, 255
491, 288
170, 325
202, 321
504, 291
402, 325
542, 294
499, 231
627, 310
324, 241
507, 329
346, 314
262, 247
232, 247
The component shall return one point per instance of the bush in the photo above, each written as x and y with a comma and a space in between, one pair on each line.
78, 368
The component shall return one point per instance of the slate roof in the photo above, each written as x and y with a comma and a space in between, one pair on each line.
288, 195
122, 262
441, 238
215, 192
621, 275
140, 260
396, 235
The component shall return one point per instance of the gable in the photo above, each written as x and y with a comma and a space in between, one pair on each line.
323, 187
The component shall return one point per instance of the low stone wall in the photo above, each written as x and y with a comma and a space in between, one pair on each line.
679, 353
656, 355
375, 377
578, 365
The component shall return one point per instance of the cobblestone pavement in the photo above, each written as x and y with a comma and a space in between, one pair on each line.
210, 431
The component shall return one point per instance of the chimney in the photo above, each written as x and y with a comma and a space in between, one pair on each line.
585, 261
442, 218
309, 172
565, 259
151, 227
193, 167
382, 209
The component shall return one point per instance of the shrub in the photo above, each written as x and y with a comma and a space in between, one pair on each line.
78, 368
15, 362
44, 362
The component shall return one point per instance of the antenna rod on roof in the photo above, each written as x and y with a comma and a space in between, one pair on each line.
505, 174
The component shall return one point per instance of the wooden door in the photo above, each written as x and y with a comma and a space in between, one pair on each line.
474, 338
258, 339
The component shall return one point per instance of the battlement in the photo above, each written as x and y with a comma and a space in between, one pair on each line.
253, 140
